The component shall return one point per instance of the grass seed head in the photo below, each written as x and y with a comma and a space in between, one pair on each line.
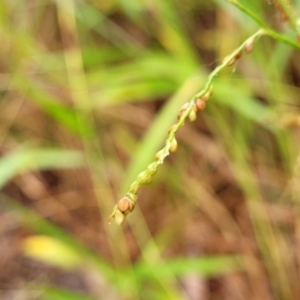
249, 46
208, 94
174, 145
200, 104
158, 154
119, 217
125, 205
171, 128
192, 116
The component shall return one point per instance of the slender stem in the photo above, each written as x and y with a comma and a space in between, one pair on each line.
248, 12
291, 15
126, 204
281, 38
267, 29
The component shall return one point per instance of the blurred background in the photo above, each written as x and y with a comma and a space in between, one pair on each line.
88, 92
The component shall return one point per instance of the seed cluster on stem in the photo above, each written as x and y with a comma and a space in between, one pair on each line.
189, 112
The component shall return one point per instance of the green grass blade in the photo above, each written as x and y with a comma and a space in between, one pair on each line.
205, 266
55, 293
26, 159
42, 226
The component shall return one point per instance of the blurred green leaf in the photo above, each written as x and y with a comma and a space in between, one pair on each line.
60, 112
42, 226
26, 159
148, 77
55, 293
136, 92
237, 96
93, 56
207, 266
51, 251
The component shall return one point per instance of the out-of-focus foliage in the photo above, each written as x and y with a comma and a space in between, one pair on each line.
88, 91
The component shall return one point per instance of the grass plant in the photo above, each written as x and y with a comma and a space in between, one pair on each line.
89, 93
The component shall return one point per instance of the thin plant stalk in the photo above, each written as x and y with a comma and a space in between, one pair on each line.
189, 111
